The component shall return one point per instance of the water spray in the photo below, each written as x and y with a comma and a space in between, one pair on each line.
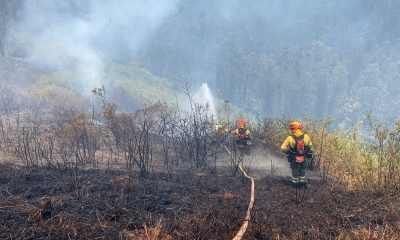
203, 96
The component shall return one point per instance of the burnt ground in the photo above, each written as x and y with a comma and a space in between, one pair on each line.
45, 203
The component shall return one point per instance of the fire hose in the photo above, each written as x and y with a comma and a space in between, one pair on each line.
246, 220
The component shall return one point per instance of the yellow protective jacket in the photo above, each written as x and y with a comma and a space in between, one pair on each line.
246, 133
291, 143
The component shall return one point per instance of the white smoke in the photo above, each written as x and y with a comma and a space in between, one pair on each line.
81, 37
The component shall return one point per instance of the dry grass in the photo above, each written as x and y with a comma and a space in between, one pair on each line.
147, 233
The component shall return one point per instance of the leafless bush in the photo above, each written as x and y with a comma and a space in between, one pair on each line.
167, 131
10, 100
72, 139
272, 132
194, 133
133, 135
78, 139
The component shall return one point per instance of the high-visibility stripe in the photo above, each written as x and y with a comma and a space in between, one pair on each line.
302, 179
295, 179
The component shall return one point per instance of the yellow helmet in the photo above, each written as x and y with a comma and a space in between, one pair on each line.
295, 125
296, 128
219, 126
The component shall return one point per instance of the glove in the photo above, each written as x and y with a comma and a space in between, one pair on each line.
289, 155
291, 152
309, 154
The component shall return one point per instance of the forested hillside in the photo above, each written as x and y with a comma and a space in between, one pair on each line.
313, 58
274, 58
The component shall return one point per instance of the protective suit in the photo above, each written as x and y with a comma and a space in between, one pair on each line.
298, 148
242, 133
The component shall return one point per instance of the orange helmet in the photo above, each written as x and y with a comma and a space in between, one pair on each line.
241, 123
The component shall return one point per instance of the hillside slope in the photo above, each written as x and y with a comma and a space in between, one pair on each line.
126, 84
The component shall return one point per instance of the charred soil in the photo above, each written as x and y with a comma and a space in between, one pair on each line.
52, 203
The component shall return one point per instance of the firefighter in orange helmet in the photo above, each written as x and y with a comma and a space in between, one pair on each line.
242, 133
298, 148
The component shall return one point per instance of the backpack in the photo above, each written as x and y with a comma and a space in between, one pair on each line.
241, 138
242, 134
299, 149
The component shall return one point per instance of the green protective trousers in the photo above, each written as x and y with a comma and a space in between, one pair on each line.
298, 171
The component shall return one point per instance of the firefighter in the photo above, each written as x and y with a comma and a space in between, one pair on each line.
241, 133
221, 129
298, 148
220, 132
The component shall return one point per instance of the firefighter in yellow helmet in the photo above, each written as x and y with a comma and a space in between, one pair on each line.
298, 148
242, 133
220, 132
221, 129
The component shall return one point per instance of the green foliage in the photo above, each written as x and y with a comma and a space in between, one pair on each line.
58, 89
63, 80
345, 155
141, 82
